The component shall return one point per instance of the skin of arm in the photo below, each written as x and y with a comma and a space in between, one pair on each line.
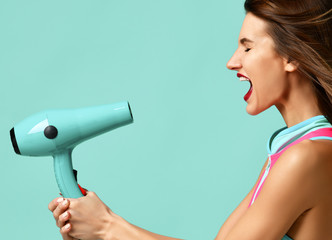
150, 235
293, 187
108, 225
239, 211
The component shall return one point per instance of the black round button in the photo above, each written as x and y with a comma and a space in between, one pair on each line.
51, 132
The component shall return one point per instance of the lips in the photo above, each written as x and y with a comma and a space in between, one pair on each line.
244, 78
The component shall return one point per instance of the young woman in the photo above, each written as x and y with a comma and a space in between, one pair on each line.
285, 52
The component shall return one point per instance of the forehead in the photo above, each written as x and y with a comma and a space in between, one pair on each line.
253, 28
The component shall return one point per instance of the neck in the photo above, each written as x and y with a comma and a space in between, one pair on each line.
300, 102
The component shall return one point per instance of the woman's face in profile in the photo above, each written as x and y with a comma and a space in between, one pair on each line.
257, 61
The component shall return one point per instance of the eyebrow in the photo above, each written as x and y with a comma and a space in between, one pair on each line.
244, 40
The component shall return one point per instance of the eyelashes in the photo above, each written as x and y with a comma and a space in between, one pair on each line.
247, 49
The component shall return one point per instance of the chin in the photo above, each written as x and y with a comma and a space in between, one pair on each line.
252, 113
251, 110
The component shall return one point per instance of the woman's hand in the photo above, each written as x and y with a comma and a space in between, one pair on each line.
89, 217
83, 218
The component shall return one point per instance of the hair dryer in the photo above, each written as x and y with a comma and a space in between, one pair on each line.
57, 132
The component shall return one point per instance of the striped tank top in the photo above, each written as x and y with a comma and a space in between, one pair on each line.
314, 128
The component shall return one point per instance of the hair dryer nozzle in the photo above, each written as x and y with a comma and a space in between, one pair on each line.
131, 114
13, 138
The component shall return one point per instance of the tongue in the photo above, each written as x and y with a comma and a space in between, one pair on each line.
247, 96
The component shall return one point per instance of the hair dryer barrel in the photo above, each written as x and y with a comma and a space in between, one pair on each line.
93, 121
52, 131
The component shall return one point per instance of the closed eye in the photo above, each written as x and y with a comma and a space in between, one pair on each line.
247, 49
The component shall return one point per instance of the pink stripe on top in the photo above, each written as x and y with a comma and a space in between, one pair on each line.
323, 132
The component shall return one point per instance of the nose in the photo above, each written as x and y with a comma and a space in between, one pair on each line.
234, 63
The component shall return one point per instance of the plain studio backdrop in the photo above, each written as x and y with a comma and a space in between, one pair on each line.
191, 154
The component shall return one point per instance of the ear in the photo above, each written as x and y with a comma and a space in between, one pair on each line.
290, 65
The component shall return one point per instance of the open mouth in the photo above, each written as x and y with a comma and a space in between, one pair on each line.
244, 78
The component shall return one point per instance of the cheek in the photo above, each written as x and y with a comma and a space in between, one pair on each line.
266, 72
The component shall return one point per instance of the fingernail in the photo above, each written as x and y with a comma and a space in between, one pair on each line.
67, 226
65, 214
59, 200
64, 203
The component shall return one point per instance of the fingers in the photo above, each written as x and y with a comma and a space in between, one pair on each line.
65, 230
60, 214
54, 203
59, 208
63, 218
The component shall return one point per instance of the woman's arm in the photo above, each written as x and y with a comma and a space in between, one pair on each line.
145, 234
109, 225
239, 211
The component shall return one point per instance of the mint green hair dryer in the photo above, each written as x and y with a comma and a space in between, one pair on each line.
57, 132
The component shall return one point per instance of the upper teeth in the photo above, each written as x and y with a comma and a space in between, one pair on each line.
244, 79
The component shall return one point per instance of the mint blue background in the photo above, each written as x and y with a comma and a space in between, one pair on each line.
192, 153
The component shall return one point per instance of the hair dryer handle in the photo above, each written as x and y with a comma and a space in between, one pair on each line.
63, 169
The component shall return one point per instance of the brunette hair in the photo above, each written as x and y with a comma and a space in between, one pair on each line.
302, 32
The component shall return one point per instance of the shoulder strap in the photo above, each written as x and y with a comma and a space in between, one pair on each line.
322, 132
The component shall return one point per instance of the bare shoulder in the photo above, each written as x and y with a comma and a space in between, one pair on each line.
309, 153
310, 160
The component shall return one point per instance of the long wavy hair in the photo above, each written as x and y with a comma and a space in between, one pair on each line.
302, 32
